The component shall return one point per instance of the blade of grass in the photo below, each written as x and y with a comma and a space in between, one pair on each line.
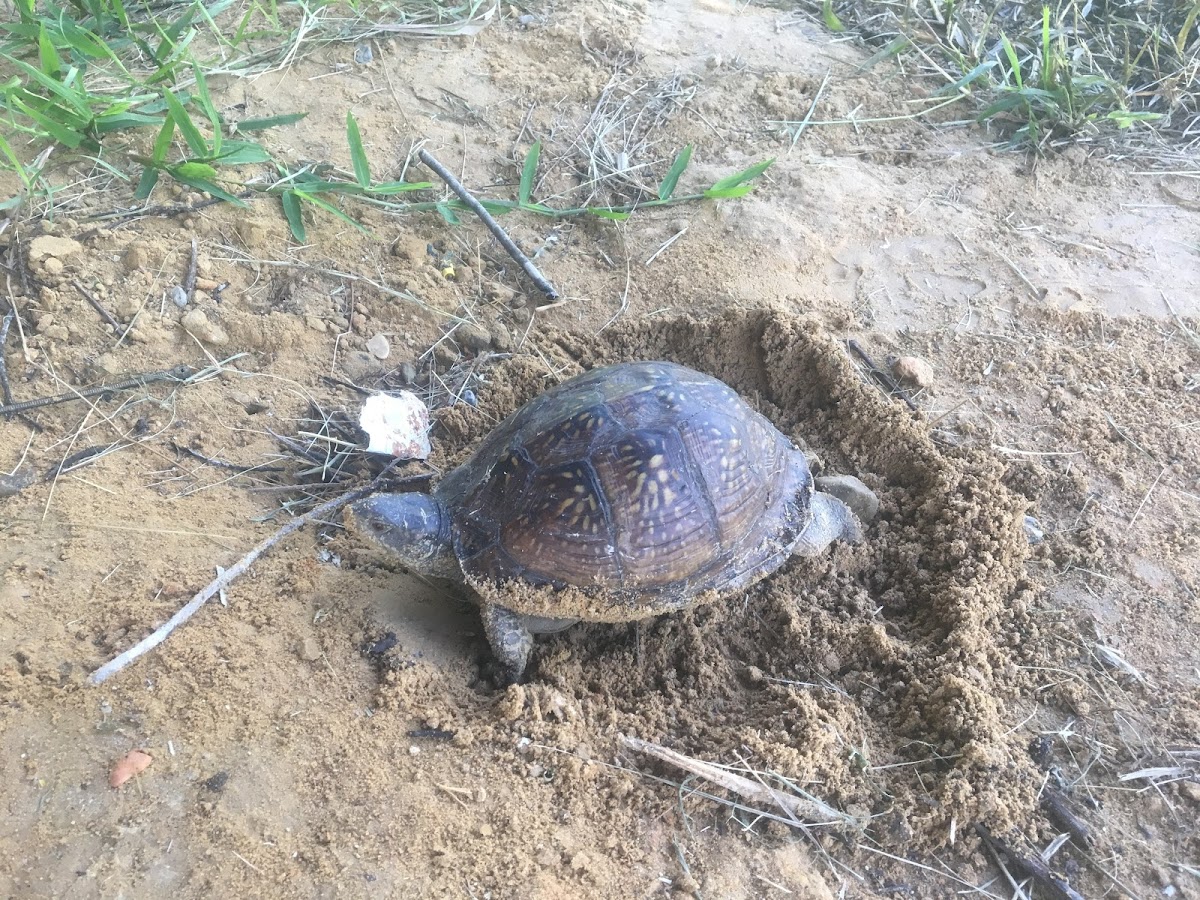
358, 156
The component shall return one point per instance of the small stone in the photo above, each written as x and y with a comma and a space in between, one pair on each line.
445, 355
44, 322
57, 333
715, 61
1033, 530
108, 364
501, 339
473, 337
196, 322
127, 307
500, 293
851, 491
408, 373
358, 322
1190, 790
53, 265
178, 296
914, 370
136, 257
46, 245
379, 346
315, 323
486, 830
414, 750
360, 367
309, 649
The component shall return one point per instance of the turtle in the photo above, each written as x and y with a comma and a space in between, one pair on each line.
629, 491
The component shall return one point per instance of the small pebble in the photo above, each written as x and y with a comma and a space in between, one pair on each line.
1033, 530
408, 373
851, 491
914, 370
315, 323
379, 346
132, 763
469, 398
309, 649
473, 337
414, 750
363, 54
50, 245
178, 296
53, 265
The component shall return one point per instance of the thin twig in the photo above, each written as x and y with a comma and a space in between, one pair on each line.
1026, 867
893, 387
177, 374
5, 388
104, 313
223, 581
189, 281
807, 809
492, 225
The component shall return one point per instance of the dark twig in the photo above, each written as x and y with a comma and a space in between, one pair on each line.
104, 313
222, 464
177, 374
889, 383
179, 209
79, 460
329, 379
228, 576
4, 385
1058, 812
1026, 867
492, 225
189, 281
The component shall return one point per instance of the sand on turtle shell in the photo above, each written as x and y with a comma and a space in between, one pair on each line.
877, 674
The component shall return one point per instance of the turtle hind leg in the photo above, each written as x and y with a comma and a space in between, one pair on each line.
509, 638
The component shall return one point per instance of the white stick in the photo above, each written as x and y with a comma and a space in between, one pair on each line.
219, 584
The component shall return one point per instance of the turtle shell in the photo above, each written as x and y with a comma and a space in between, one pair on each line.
649, 480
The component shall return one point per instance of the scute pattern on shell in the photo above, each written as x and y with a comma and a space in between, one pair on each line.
647, 480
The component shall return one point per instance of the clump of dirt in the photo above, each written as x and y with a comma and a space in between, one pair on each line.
878, 673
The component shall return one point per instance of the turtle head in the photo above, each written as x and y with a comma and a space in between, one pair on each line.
831, 521
415, 528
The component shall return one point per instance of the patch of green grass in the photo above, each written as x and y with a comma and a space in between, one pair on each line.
1045, 74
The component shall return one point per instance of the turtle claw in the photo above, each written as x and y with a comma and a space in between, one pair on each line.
510, 641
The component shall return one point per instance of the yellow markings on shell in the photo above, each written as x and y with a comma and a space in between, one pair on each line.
639, 484
664, 475
656, 460
668, 495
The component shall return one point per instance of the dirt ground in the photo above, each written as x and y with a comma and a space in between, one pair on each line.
946, 672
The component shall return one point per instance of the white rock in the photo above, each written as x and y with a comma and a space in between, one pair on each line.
396, 424
379, 346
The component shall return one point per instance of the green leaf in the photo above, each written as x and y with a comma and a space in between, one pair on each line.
77, 99
726, 193
358, 156
191, 134
528, 173
1013, 62
400, 187
970, 78
447, 213
829, 17
294, 215
241, 153
615, 215
162, 143
124, 121
68, 137
667, 189
742, 177
206, 104
193, 169
330, 208
48, 56
247, 125
146, 183
203, 184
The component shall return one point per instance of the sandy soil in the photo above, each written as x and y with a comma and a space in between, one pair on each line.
946, 672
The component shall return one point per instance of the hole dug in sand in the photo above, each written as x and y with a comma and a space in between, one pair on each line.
884, 678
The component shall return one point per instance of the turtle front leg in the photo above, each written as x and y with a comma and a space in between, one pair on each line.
509, 638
